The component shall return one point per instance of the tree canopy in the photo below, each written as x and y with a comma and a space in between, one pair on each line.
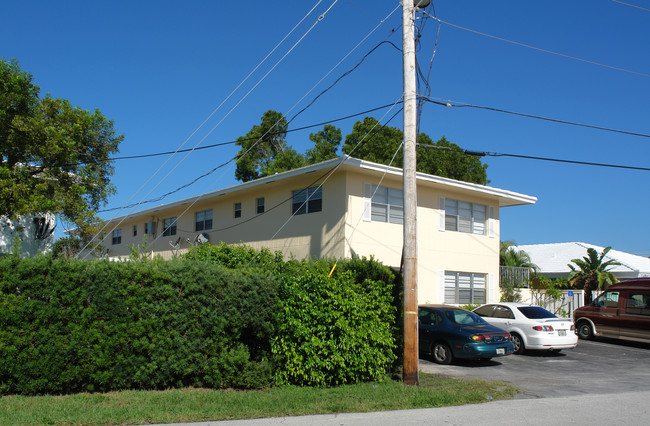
371, 141
54, 157
264, 150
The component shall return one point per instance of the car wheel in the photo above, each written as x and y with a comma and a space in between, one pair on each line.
518, 343
441, 353
585, 331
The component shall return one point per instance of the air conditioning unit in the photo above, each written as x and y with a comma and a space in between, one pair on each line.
201, 238
150, 228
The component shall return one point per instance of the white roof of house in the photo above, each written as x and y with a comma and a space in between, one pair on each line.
555, 258
504, 197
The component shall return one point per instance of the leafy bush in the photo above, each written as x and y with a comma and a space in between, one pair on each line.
76, 326
345, 336
70, 326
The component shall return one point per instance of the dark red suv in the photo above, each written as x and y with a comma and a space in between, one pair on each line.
621, 312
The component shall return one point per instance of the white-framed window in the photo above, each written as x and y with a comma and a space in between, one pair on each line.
383, 204
203, 220
117, 236
259, 205
461, 216
169, 227
308, 200
463, 288
237, 211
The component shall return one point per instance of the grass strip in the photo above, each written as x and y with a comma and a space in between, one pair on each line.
191, 405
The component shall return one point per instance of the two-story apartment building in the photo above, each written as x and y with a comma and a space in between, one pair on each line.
342, 208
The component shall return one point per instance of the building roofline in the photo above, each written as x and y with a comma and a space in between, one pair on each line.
506, 198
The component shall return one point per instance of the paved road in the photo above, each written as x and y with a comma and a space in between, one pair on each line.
593, 367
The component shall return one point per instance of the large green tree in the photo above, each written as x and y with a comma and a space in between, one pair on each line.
54, 157
263, 149
369, 140
592, 272
326, 144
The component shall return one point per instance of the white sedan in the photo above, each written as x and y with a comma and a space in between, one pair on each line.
531, 326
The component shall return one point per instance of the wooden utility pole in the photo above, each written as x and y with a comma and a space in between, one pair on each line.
410, 373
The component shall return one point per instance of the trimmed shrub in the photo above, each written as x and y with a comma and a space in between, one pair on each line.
345, 335
70, 326
222, 316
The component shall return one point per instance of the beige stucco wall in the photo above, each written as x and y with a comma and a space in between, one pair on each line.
337, 231
438, 251
317, 234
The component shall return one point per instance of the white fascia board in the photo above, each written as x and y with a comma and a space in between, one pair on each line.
235, 188
506, 198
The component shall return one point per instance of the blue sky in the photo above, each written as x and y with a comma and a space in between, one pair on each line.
159, 69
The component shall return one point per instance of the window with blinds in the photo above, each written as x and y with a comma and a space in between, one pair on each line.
462, 288
387, 204
461, 216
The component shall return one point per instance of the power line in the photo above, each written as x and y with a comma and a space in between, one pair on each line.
631, 5
453, 104
131, 157
320, 18
540, 49
530, 157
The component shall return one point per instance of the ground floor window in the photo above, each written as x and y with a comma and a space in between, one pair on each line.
463, 288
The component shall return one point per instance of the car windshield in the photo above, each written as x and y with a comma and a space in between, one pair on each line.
464, 318
535, 312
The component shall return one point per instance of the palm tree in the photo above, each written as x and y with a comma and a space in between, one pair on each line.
511, 279
510, 256
593, 273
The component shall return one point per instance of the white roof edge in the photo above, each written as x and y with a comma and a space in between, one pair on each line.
505, 195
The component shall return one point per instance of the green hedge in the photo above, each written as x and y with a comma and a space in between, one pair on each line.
72, 326
337, 319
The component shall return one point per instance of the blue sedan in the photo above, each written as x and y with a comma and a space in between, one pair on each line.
448, 332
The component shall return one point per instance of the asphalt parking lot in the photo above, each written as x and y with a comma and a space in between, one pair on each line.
593, 367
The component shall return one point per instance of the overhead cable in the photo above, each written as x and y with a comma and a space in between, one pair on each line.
320, 18
541, 50
452, 104
631, 5
530, 157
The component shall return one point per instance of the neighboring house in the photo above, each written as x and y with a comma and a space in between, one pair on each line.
553, 259
342, 208
35, 233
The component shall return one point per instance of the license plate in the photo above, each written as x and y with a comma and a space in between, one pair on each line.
501, 351
561, 332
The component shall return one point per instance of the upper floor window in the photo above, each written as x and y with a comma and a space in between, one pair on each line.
237, 209
135, 230
260, 205
150, 228
467, 217
203, 220
463, 288
386, 204
117, 236
169, 227
308, 200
